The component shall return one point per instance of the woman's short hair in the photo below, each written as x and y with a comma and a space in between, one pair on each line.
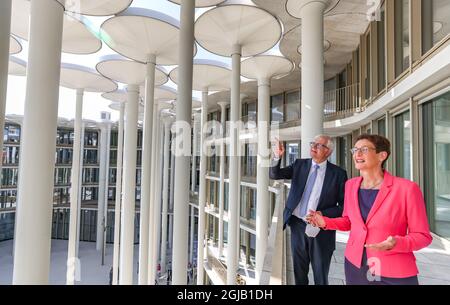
381, 144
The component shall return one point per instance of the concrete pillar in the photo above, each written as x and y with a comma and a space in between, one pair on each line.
146, 171
77, 166
105, 194
262, 175
80, 183
171, 197
233, 210
167, 124
37, 156
102, 181
5, 28
201, 239
312, 72
194, 153
129, 187
156, 202
151, 265
184, 110
116, 250
223, 109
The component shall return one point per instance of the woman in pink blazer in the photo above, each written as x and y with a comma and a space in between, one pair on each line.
385, 216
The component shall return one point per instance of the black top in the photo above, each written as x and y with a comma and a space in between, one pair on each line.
366, 201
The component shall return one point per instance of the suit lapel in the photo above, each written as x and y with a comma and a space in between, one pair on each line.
304, 173
326, 183
384, 192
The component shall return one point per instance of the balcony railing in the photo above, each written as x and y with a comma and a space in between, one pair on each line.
342, 102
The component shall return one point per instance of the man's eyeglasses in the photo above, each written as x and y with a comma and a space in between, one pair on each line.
317, 145
365, 150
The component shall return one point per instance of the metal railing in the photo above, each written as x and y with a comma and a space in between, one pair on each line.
342, 102
274, 267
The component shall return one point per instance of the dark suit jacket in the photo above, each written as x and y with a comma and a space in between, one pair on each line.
331, 202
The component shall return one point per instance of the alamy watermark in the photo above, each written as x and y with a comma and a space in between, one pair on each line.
231, 133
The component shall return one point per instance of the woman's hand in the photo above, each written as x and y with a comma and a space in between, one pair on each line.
315, 218
386, 245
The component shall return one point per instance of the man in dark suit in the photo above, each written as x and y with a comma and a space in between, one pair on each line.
316, 185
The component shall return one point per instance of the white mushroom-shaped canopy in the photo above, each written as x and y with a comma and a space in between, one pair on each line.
266, 67
162, 93
202, 3
208, 75
95, 7
17, 67
79, 77
139, 33
116, 106
14, 46
79, 36
126, 71
237, 22
117, 96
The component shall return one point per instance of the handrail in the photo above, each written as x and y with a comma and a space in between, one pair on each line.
273, 272
342, 101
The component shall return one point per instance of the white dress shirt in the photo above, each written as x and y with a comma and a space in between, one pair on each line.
317, 189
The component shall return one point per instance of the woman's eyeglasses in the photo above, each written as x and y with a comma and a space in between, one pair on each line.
365, 150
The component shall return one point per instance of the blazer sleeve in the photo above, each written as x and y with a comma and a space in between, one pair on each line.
338, 209
277, 173
340, 223
418, 235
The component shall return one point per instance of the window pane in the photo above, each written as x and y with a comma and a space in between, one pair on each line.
403, 145
276, 106
436, 117
402, 37
293, 106
381, 50
435, 22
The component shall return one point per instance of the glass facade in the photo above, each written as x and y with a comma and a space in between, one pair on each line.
436, 118
402, 36
435, 22
293, 106
276, 106
403, 145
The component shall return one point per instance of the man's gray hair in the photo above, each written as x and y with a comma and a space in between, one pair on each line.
330, 143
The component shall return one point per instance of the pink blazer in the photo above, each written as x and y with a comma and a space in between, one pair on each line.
398, 211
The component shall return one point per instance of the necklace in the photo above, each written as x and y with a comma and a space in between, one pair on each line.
371, 187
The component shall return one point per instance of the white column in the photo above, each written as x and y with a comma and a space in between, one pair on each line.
262, 175
77, 165
312, 73
129, 187
233, 211
101, 187
151, 265
201, 238
223, 106
116, 250
5, 27
191, 234
194, 153
80, 183
146, 170
37, 156
184, 110
171, 197
106, 193
156, 203
165, 193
